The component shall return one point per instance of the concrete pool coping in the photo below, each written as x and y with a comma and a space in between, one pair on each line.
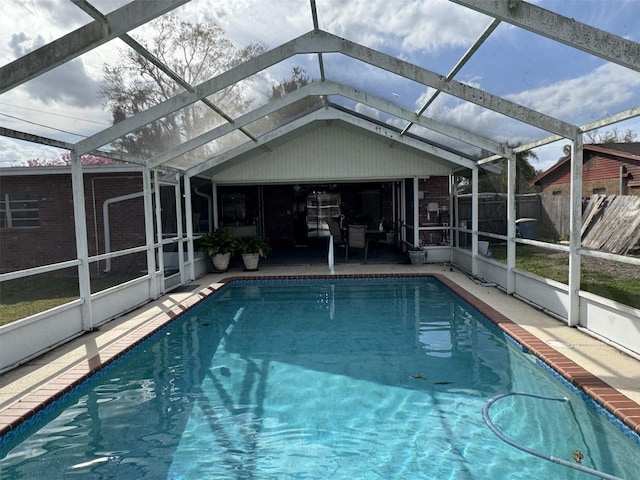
606, 374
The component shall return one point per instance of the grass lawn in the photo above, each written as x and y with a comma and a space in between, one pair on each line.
28, 296
608, 282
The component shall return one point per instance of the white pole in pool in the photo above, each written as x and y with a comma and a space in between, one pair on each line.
331, 270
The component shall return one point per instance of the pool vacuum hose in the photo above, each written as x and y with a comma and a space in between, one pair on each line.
504, 438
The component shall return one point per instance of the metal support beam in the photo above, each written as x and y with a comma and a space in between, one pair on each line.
82, 40
326, 42
323, 42
229, 158
562, 29
575, 241
326, 89
184, 99
417, 119
416, 213
158, 213
222, 130
465, 58
141, 50
147, 190
179, 230
82, 247
188, 212
50, 142
474, 221
511, 223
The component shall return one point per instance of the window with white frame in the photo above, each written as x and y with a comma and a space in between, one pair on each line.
19, 211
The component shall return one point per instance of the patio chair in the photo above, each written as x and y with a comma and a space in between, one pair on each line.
334, 229
357, 238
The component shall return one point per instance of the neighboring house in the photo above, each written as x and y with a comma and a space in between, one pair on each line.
608, 169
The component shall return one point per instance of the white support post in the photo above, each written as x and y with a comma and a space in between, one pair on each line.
148, 232
474, 221
575, 242
82, 247
180, 231
416, 213
191, 273
511, 222
452, 220
156, 194
402, 225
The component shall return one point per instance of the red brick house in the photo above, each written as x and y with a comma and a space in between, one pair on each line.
608, 169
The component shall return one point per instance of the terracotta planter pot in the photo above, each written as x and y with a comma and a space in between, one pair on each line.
221, 261
251, 261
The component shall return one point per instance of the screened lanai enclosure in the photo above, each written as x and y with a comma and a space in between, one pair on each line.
132, 128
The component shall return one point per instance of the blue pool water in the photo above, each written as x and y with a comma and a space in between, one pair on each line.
348, 379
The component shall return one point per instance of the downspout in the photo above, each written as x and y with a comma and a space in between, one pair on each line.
107, 226
621, 178
209, 205
96, 232
214, 189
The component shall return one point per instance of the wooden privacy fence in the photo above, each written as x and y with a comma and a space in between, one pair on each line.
492, 211
610, 223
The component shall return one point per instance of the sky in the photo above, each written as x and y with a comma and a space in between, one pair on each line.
517, 65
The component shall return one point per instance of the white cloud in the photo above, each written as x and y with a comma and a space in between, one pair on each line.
409, 25
367, 110
250, 21
597, 94
15, 153
603, 91
27, 25
68, 84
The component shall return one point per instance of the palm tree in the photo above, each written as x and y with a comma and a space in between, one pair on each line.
489, 181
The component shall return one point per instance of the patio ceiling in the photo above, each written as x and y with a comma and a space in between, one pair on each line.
239, 135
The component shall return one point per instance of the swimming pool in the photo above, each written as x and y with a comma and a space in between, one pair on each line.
320, 379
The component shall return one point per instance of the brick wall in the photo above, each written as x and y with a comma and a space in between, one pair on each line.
611, 186
54, 240
434, 189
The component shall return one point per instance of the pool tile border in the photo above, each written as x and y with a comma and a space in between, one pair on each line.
616, 403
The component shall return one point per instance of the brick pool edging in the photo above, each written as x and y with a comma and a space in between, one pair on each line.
616, 403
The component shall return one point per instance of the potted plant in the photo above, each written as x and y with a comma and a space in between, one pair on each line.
219, 245
251, 248
417, 255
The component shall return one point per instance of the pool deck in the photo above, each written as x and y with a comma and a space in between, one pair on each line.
609, 376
